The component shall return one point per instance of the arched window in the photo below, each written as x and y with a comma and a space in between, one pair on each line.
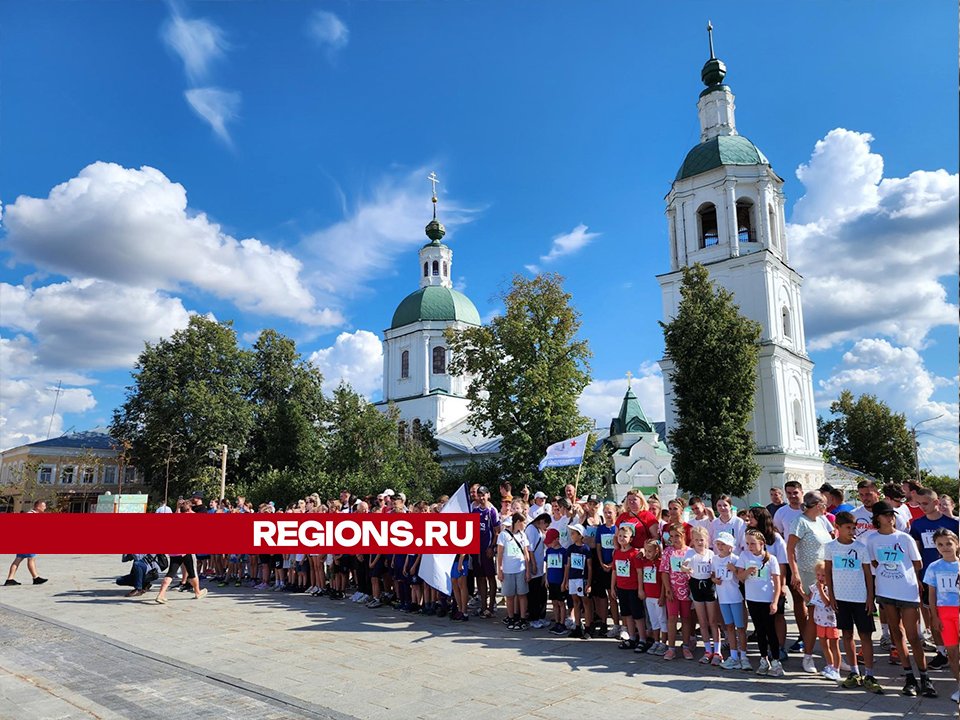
707, 215
405, 364
745, 227
785, 320
436, 267
426, 269
439, 360
416, 427
444, 268
797, 419
774, 230
402, 431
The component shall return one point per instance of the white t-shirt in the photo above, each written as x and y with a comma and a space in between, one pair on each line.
699, 564
705, 523
561, 527
735, 526
164, 509
849, 584
536, 510
865, 526
779, 550
783, 519
823, 615
903, 516
513, 546
894, 576
537, 550
759, 587
728, 591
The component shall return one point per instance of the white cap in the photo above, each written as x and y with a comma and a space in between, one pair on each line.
726, 538
537, 495
401, 496
576, 526
388, 491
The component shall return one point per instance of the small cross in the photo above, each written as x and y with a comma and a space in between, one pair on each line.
629, 379
433, 179
710, 35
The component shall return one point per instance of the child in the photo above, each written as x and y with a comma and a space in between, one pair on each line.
577, 578
731, 602
513, 570
459, 577
698, 564
942, 577
651, 592
850, 584
377, 565
896, 567
677, 592
556, 559
410, 567
605, 542
624, 585
824, 617
537, 597
760, 573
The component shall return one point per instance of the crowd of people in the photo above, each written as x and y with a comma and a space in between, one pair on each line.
669, 581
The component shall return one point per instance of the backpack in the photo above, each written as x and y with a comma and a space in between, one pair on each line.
163, 562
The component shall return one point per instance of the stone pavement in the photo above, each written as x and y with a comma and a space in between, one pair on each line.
76, 648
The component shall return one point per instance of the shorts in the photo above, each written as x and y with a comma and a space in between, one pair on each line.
455, 572
189, 562
925, 595
555, 593
808, 578
630, 603
854, 614
347, 563
679, 608
514, 584
277, 561
265, 559
483, 566
233, 558
302, 566
575, 587
600, 584
414, 579
899, 603
26, 556
949, 625
733, 614
702, 591
827, 633
656, 614
376, 569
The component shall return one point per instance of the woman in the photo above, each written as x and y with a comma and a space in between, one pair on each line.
636, 513
674, 517
189, 563
808, 536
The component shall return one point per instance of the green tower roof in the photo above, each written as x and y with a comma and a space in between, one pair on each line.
631, 419
435, 303
719, 151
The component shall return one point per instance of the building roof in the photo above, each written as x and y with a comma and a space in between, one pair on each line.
435, 303
463, 438
631, 419
95, 439
719, 151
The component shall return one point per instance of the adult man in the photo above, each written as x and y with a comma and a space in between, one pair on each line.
700, 514
345, 505
539, 505
793, 509
141, 576
39, 506
399, 503
897, 499
483, 565
911, 488
776, 500
922, 530
835, 500
163, 508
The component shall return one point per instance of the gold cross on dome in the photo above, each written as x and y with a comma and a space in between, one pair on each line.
432, 177
629, 379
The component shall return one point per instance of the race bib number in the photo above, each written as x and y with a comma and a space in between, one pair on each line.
722, 573
590, 531
564, 536
702, 568
554, 561
649, 574
576, 561
623, 568
763, 572
675, 563
606, 541
846, 562
889, 554
947, 584
927, 538
513, 550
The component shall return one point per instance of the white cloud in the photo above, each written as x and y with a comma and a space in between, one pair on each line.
601, 399
328, 30
898, 376
568, 244
131, 227
356, 358
198, 43
216, 106
873, 251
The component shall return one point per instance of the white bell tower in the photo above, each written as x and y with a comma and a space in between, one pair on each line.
725, 210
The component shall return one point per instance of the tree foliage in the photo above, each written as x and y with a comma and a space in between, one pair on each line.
529, 368
714, 350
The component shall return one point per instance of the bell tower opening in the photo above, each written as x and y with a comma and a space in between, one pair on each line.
707, 220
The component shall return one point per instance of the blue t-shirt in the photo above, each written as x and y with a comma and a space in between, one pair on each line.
922, 530
944, 577
579, 558
556, 560
606, 541
843, 507
489, 519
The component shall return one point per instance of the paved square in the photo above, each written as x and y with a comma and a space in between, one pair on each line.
75, 648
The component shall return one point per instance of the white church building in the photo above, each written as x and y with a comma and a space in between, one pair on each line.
725, 210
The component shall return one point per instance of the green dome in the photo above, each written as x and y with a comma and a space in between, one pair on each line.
719, 151
435, 303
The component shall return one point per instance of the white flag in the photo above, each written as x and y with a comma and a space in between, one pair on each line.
435, 569
568, 452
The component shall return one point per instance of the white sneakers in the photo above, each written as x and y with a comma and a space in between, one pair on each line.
808, 665
745, 664
831, 673
569, 623
764, 668
730, 664
614, 632
776, 669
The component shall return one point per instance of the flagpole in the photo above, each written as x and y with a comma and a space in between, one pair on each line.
576, 483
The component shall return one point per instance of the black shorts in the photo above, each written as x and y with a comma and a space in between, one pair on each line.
347, 563
702, 591
555, 593
265, 559
189, 563
277, 561
600, 583
925, 595
630, 604
854, 614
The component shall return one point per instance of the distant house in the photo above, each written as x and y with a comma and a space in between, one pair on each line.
69, 472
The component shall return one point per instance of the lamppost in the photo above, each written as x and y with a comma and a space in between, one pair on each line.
916, 446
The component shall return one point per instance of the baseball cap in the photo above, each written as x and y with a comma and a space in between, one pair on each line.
593, 497
401, 496
576, 527
882, 508
507, 498
388, 491
537, 495
482, 490
551, 535
726, 538
542, 515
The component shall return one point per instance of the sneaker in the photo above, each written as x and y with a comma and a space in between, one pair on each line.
375, 603
613, 632
687, 655
938, 662
956, 696
894, 658
10, 583
442, 611
730, 664
624, 635
201, 595
927, 689
885, 643
670, 654
135, 593
576, 633
871, 684
853, 681
717, 660
797, 646
706, 658
745, 664
764, 668
521, 626
845, 666
260, 586
783, 655
222, 584
558, 629
569, 623
911, 687
776, 669
238, 584
39, 581
808, 664
832, 674
662, 649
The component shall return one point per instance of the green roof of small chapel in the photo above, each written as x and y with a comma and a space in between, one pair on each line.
435, 303
719, 151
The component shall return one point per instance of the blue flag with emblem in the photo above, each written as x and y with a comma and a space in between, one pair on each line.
563, 454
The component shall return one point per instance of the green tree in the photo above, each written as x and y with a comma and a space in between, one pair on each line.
867, 435
192, 392
529, 368
942, 485
714, 351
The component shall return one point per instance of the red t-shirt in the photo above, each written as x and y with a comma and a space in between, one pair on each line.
625, 568
651, 577
915, 512
642, 524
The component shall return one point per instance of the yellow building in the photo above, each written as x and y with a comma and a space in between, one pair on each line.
69, 472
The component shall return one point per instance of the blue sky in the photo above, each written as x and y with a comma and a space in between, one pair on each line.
306, 130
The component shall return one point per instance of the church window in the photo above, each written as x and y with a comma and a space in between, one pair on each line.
439, 360
436, 267
745, 228
405, 364
774, 239
426, 269
797, 419
444, 268
707, 215
416, 427
785, 319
